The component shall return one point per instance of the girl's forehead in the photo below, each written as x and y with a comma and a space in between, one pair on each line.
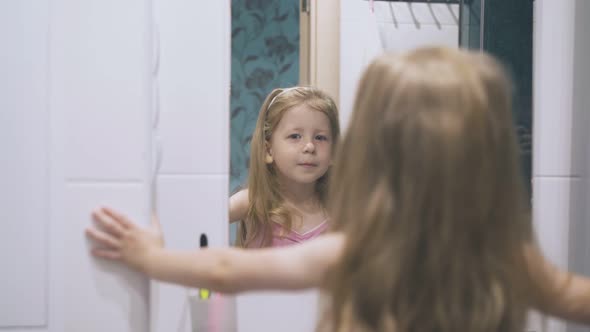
305, 117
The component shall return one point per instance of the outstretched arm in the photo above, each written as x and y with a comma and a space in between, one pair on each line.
226, 270
560, 293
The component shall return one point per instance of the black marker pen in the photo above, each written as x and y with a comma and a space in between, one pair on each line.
204, 293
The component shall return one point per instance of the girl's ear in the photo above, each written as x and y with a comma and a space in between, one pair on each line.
268, 158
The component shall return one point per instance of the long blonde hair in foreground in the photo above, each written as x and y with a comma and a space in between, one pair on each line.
430, 195
264, 193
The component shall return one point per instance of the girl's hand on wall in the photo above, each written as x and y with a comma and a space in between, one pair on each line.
119, 239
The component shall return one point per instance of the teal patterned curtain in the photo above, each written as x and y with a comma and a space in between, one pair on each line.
265, 56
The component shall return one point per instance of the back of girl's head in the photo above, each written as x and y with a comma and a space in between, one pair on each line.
263, 190
430, 195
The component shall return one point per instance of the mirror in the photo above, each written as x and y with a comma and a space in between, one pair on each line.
266, 51
507, 33
264, 55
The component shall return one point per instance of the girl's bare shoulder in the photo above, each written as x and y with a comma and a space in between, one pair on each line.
238, 205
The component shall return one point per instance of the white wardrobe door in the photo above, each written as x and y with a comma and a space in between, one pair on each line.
100, 79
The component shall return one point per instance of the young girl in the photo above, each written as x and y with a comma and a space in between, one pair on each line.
432, 229
290, 157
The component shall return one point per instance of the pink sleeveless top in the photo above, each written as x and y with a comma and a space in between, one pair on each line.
279, 239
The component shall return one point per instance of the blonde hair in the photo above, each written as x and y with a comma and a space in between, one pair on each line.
433, 203
265, 199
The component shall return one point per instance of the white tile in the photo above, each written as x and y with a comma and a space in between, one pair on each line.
350, 9
188, 206
195, 142
95, 286
355, 54
169, 309
553, 143
191, 205
552, 91
556, 206
384, 12
193, 74
193, 80
398, 38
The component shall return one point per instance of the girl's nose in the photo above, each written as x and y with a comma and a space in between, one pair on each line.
309, 147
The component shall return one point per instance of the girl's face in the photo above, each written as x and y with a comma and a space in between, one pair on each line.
301, 145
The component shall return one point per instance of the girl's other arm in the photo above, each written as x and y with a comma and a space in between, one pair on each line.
560, 293
238, 206
226, 270
233, 270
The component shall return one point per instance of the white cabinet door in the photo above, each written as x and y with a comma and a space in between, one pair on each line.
75, 133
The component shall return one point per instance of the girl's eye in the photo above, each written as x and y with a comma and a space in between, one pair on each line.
295, 136
321, 138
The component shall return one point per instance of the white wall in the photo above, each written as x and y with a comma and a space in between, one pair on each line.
24, 198
394, 26
192, 82
560, 143
78, 84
